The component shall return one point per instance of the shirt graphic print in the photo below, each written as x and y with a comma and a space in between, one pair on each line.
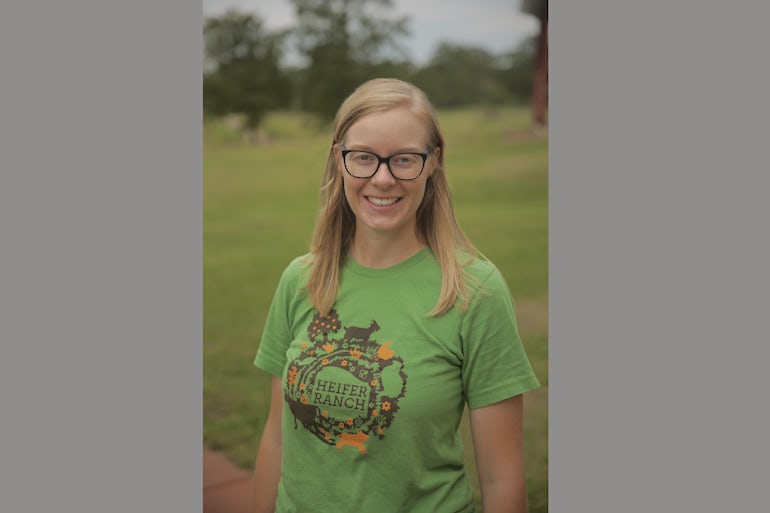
344, 387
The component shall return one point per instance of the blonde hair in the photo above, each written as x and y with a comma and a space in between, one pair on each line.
436, 222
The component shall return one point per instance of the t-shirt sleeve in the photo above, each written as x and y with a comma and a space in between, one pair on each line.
277, 335
495, 365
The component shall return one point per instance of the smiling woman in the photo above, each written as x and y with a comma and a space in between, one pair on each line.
429, 328
385, 193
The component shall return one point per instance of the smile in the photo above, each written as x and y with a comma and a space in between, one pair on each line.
382, 202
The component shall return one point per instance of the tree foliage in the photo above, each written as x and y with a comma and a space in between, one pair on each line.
516, 75
344, 43
460, 75
537, 8
342, 40
243, 61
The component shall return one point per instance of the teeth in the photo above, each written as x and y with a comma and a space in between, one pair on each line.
383, 202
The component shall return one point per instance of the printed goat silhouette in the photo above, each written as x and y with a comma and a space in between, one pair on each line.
354, 332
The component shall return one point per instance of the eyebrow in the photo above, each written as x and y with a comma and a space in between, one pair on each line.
364, 147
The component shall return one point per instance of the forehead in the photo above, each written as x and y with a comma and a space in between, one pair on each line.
390, 130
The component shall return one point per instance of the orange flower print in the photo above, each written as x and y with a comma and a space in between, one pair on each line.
312, 352
324, 414
355, 353
373, 382
379, 431
303, 345
325, 361
349, 422
375, 412
341, 425
344, 363
328, 435
302, 386
386, 405
328, 347
303, 399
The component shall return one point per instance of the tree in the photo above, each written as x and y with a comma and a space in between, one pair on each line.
461, 75
243, 73
342, 40
517, 72
539, 9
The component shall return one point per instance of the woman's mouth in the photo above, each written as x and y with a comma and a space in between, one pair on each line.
382, 202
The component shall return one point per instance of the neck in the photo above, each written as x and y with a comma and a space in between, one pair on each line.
382, 250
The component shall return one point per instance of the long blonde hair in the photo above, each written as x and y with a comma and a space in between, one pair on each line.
436, 222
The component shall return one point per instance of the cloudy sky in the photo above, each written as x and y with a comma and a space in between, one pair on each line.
498, 25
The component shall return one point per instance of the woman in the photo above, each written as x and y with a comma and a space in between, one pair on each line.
380, 335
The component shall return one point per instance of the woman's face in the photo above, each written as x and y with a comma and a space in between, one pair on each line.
382, 204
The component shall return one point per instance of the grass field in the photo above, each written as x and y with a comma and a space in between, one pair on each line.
259, 206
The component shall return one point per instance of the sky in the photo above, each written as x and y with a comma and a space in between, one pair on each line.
497, 25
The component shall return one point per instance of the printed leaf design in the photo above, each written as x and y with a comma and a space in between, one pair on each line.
292, 376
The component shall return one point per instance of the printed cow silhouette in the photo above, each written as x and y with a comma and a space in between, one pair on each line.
305, 413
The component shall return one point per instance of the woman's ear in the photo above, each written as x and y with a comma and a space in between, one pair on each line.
435, 152
337, 156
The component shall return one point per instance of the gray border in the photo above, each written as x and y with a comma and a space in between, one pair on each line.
100, 285
659, 257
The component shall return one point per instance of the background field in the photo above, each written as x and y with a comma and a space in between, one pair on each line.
259, 205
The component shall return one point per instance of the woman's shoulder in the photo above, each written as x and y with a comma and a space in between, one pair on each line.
299, 262
477, 265
481, 273
297, 269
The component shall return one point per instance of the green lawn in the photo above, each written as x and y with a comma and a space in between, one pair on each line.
259, 206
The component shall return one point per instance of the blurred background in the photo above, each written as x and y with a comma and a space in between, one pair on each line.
274, 74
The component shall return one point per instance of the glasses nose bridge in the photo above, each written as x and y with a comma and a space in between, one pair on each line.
380, 162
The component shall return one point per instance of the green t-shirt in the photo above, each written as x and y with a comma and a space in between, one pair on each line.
374, 391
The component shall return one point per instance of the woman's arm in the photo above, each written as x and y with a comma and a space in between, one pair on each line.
267, 469
498, 441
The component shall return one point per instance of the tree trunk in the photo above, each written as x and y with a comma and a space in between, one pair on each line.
540, 78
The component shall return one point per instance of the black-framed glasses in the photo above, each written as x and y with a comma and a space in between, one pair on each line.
403, 166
